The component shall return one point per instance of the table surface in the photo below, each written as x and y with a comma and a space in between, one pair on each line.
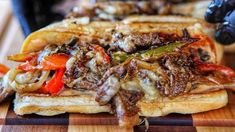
11, 38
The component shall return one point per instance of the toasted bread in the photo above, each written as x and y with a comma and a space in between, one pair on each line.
185, 104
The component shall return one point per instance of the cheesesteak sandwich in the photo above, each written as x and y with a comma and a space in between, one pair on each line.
127, 69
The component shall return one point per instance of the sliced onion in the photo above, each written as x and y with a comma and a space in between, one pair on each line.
22, 88
5, 89
23, 78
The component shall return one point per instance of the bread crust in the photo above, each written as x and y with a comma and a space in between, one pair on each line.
54, 105
230, 48
185, 104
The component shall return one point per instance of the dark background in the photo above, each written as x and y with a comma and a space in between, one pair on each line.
35, 14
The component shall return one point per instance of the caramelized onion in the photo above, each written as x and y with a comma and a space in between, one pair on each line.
27, 87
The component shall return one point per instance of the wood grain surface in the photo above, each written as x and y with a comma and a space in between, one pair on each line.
220, 117
109, 128
34, 128
11, 39
97, 128
215, 129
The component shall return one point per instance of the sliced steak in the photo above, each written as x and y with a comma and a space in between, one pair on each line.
140, 41
178, 72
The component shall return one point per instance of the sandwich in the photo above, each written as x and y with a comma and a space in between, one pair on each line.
128, 69
119, 10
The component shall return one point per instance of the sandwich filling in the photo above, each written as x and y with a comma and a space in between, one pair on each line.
118, 10
130, 68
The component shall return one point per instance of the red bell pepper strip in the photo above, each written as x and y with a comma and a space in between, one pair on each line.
55, 61
29, 65
3, 69
213, 67
55, 84
51, 62
100, 50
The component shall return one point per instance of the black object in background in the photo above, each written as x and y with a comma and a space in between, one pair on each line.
222, 12
35, 14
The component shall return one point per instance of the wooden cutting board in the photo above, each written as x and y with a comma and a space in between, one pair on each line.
224, 117
11, 39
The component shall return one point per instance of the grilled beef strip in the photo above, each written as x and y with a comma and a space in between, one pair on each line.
179, 70
129, 99
139, 41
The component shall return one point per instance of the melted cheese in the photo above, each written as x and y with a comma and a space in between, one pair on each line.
147, 85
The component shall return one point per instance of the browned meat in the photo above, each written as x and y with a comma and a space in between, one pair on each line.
130, 43
83, 70
129, 99
84, 85
120, 71
107, 90
126, 109
79, 76
179, 74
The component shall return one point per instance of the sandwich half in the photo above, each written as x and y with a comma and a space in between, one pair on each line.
127, 69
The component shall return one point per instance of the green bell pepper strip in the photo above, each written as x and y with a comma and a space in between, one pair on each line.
156, 52
122, 56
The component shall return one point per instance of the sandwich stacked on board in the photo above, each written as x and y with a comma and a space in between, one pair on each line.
140, 66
